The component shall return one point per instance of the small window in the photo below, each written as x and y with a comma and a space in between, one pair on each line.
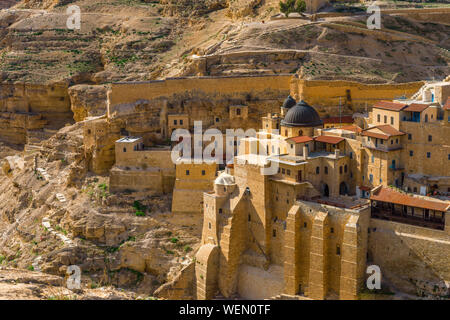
305, 225
292, 146
385, 119
411, 153
209, 225
392, 120
283, 171
430, 138
181, 121
373, 159
378, 118
338, 250
217, 119
345, 168
415, 189
249, 218
274, 233
392, 141
187, 172
331, 230
317, 170
340, 169
449, 157
351, 155
124, 149
428, 155
203, 172
409, 136
288, 172
174, 122
238, 112
381, 141
396, 141
220, 210
326, 170
371, 177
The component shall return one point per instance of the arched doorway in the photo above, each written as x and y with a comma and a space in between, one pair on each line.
325, 190
343, 189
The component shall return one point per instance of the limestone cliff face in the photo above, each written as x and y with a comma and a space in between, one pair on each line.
87, 101
26, 110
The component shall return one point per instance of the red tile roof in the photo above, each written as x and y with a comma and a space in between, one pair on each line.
416, 107
329, 139
300, 139
392, 196
343, 119
388, 105
447, 104
388, 131
353, 128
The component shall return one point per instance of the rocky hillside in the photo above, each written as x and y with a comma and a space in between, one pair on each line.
54, 212
130, 40
57, 214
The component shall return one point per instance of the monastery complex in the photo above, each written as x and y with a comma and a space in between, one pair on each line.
368, 184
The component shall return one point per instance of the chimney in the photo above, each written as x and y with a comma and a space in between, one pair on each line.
305, 152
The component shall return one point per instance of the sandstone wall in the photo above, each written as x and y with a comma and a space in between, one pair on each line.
411, 258
25, 107
323, 94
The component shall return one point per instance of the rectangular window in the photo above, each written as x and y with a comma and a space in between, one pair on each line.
181, 121
428, 155
371, 178
175, 122
385, 119
351, 155
392, 120
373, 159
288, 172
378, 118
430, 138
217, 120
411, 153
203, 172
187, 172
283, 171
409, 136
326, 170
238, 112
274, 233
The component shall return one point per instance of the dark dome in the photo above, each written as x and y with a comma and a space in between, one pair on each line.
302, 115
289, 102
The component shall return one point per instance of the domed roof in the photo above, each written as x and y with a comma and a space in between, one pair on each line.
225, 179
289, 102
301, 115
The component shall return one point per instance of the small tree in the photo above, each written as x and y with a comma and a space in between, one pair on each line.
292, 6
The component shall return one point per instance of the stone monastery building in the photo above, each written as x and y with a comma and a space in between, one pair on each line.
308, 203
338, 202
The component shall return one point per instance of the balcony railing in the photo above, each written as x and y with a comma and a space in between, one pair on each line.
381, 147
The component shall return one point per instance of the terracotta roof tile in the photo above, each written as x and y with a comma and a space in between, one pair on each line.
329, 139
388, 105
416, 107
300, 139
388, 131
447, 104
392, 196
343, 119
353, 128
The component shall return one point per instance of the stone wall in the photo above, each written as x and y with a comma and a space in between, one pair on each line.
356, 96
411, 258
